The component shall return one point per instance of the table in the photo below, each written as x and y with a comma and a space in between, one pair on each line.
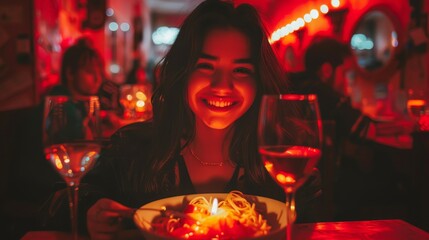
392, 229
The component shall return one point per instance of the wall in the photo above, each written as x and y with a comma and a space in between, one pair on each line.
16, 55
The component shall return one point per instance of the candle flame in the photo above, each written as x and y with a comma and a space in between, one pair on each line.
214, 206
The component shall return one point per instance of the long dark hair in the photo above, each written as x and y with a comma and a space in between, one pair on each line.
174, 120
80, 54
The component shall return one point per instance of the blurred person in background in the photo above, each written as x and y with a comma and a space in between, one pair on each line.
344, 127
325, 62
27, 178
352, 135
82, 75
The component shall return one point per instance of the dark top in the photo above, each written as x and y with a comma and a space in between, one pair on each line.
112, 178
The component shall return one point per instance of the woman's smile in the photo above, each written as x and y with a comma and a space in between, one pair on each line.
220, 104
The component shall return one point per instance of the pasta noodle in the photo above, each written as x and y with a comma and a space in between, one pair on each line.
235, 218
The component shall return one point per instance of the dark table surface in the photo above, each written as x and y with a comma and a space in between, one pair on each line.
392, 229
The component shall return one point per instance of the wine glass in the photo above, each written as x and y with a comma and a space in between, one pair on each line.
71, 138
289, 139
416, 103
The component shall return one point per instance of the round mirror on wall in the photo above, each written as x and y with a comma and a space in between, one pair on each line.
374, 42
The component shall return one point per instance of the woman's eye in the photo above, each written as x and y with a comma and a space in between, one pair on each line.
206, 66
243, 71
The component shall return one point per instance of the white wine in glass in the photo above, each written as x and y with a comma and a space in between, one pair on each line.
72, 142
289, 139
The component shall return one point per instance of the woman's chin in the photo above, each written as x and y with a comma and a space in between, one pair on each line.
218, 124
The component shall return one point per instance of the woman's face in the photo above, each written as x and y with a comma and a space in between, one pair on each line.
222, 86
87, 80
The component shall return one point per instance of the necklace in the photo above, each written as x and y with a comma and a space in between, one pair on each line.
211, 164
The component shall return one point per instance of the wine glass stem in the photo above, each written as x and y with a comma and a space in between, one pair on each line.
290, 213
73, 193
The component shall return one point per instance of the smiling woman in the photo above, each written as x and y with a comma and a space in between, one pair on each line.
203, 134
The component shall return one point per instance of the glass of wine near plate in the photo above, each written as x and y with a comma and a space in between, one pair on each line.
290, 141
72, 142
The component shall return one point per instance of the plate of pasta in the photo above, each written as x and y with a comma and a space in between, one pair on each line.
232, 215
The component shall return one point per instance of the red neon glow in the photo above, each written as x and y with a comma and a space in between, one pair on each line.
304, 19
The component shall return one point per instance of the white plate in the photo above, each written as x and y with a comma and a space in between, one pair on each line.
273, 211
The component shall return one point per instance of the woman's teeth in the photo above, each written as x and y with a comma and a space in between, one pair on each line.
220, 103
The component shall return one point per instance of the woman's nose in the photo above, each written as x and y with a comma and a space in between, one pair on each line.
222, 80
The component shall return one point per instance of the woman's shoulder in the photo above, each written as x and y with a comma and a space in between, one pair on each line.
131, 142
138, 131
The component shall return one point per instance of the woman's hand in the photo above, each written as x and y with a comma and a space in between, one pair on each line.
104, 219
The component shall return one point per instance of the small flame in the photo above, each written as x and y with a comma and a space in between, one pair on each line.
214, 207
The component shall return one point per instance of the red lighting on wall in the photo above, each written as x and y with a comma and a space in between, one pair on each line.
308, 17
